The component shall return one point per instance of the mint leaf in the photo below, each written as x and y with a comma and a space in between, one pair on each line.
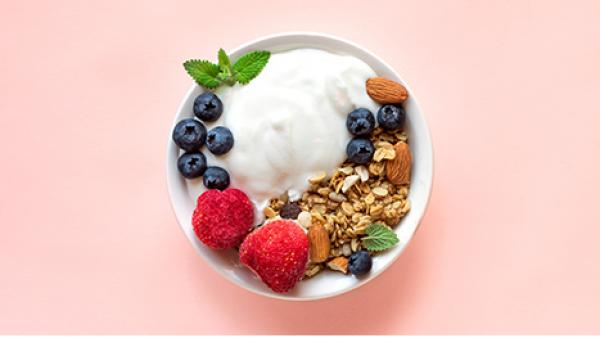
250, 65
224, 61
379, 237
226, 73
205, 73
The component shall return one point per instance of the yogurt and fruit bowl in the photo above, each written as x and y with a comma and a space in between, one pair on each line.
299, 165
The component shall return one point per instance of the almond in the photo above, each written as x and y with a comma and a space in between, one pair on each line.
319, 243
398, 169
339, 264
385, 91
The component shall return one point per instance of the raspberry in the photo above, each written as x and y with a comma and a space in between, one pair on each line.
278, 253
222, 219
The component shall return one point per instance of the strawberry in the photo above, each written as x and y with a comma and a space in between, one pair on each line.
223, 218
278, 253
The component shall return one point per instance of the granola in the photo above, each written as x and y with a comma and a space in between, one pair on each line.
348, 200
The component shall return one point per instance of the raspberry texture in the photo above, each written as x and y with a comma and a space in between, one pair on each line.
223, 219
278, 253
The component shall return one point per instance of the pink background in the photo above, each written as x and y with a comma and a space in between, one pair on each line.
89, 243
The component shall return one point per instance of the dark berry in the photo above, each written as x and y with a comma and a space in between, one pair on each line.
219, 140
208, 107
360, 122
290, 211
191, 165
391, 117
360, 263
360, 150
189, 134
216, 178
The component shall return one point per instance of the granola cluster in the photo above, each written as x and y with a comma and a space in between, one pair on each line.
348, 200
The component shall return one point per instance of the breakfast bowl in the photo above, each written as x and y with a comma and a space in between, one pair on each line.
327, 283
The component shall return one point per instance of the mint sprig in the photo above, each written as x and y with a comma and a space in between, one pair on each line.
211, 76
379, 237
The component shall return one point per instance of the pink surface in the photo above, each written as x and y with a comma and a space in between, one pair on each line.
89, 243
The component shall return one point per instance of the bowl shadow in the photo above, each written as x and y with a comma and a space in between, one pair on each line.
374, 308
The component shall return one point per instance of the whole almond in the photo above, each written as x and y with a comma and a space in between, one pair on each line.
398, 169
385, 91
319, 243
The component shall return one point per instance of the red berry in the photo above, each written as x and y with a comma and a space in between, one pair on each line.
223, 218
278, 253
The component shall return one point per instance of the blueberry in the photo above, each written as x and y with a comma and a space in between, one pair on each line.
216, 178
191, 165
360, 150
360, 122
219, 140
391, 117
360, 263
208, 107
189, 134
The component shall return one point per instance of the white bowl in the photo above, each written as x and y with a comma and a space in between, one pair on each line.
328, 283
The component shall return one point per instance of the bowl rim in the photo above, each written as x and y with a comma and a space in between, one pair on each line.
426, 135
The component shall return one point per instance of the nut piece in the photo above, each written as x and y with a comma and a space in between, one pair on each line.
319, 243
269, 212
312, 270
346, 249
304, 218
349, 182
398, 169
363, 172
385, 91
339, 264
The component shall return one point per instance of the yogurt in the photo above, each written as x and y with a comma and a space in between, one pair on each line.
289, 123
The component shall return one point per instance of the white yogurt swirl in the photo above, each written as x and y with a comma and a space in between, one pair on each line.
289, 123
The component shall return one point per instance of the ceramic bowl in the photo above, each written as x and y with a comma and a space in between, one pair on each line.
327, 283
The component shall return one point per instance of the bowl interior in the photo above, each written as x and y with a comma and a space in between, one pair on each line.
328, 283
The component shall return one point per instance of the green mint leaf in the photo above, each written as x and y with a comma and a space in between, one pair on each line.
224, 61
379, 237
250, 65
226, 73
205, 73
